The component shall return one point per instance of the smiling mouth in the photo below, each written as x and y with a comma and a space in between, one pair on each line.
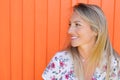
74, 37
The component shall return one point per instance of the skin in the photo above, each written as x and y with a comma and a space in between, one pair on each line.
82, 36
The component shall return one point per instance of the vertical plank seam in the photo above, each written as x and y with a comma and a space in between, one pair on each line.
77, 1
60, 25
114, 21
101, 3
47, 33
71, 5
34, 35
22, 41
87, 1
72, 2
10, 38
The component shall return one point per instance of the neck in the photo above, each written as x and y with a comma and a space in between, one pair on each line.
85, 50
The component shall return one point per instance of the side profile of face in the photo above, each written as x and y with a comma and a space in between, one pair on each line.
80, 31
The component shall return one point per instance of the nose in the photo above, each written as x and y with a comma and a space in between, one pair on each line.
70, 30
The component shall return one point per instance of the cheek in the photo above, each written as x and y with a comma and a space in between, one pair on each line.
86, 35
82, 33
90, 36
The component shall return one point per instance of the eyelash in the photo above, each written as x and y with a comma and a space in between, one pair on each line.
76, 24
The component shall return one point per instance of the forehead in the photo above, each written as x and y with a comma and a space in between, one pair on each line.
75, 16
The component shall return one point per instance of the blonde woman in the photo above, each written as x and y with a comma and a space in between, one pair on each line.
90, 55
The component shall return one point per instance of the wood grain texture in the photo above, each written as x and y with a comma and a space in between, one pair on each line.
5, 40
32, 31
16, 40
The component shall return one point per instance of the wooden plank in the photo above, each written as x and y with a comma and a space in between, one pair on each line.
16, 39
28, 40
53, 28
97, 2
66, 12
82, 1
74, 2
109, 12
5, 40
40, 37
117, 27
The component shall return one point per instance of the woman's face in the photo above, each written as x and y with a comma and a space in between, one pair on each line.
80, 31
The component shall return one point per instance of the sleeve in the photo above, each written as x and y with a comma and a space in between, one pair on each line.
118, 64
52, 70
118, 60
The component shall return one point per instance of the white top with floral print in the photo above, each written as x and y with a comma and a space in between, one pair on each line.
61, 68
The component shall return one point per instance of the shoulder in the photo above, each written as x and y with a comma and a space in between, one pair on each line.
116, 55
62, 59
59, 65
115, 59
115, 64
62, 55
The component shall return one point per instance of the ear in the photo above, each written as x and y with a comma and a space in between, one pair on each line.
95, 33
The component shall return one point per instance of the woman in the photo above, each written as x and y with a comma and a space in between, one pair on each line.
90, 55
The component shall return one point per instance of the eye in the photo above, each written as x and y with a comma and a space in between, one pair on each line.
69, 24
76, 24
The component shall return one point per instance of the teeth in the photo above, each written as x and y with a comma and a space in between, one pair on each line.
73, 37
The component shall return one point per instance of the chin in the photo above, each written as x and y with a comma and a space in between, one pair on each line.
74, 45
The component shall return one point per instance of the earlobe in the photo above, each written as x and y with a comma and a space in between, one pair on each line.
95, 33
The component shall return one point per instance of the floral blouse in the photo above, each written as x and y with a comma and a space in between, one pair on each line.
61, 68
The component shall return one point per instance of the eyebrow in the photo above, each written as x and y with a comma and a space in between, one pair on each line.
75, 21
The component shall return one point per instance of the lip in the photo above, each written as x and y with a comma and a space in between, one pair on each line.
74, 37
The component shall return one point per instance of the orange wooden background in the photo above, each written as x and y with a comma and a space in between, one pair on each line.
31, 31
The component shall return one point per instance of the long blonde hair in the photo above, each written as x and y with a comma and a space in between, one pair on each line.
97, 20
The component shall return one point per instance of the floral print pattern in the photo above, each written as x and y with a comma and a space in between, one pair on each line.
61, 68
